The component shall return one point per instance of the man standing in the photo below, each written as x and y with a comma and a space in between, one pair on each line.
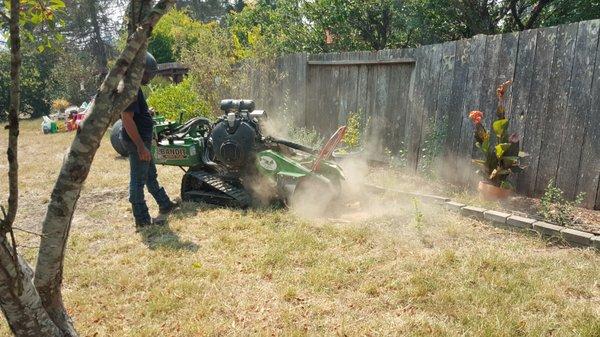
136, 136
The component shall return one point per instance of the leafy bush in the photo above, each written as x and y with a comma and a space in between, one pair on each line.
353, 139
174, 99
432, 145
34, 75
176, 30
555, 208
306, 137
211, 60
398, 159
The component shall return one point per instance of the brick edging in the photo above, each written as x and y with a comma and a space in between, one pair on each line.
503, 219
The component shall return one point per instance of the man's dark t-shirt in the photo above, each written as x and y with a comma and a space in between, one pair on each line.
141, 117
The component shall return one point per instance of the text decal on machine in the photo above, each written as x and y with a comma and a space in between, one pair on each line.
170, 153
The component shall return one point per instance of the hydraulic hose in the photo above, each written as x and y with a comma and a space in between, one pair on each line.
293, 145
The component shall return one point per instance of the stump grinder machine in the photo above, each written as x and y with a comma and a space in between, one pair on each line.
231, 163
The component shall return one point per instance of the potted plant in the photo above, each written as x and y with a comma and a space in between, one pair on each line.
501, 155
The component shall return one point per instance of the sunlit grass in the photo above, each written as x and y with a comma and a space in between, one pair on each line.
268, 272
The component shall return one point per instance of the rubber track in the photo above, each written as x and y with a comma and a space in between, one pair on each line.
215, 181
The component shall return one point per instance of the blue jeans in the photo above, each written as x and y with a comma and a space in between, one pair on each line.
143, 173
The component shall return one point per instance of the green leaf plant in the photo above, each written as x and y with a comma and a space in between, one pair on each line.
501, 154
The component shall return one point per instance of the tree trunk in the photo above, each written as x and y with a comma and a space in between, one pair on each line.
110, 102
19, 299
13, 114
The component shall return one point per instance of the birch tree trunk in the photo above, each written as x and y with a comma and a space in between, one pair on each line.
36, 309
19, 299
112, 98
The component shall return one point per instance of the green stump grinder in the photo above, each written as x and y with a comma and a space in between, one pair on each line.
231, 163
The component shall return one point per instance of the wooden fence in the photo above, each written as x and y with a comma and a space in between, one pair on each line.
554, 104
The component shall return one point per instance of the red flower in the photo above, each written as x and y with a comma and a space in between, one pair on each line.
502, 89
476, 116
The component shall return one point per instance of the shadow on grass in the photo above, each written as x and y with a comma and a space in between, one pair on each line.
162, 237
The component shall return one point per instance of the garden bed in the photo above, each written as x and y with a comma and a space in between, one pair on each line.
585, 219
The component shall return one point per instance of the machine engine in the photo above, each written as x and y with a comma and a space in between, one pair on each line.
236, 138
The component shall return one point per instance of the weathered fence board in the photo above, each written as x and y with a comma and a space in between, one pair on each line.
578, 108
535, 118
589, 171
416, 107
455, 113
445, 87
553, 104
472, 98
430, 99
524, 74
555, 116
488, 101
506, 65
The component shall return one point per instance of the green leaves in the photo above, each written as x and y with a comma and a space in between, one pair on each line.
170, 100
500, 126
501, 149
510, 160
35, 13
485, 146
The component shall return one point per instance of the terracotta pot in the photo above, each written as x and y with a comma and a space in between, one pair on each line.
491, 192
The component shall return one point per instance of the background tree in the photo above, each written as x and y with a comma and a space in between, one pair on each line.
210, 10
91, 26
359, 24
175, 31
558, 12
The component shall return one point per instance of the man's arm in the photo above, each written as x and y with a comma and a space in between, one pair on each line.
132, 131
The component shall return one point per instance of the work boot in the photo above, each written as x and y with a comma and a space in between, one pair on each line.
173, 205
158, 221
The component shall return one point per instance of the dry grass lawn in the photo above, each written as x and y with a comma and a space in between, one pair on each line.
408, 270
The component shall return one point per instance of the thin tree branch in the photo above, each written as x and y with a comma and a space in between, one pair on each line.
13, 116
515, 14
535, 13
4, 17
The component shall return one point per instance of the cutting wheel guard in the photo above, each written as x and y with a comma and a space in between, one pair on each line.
329, 147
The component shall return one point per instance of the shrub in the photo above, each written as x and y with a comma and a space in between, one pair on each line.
353, 139
555, 208
210, 61
176, 30
175, 99
306, 137
433, 145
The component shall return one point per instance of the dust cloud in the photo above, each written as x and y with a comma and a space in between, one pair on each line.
356, 199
